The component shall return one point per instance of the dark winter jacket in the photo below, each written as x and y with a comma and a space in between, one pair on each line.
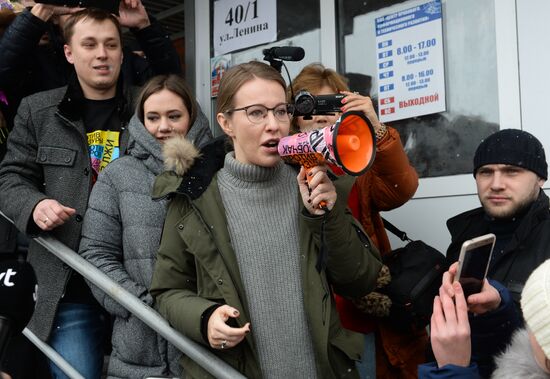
120, 235
48, 157
197, 268
529, 247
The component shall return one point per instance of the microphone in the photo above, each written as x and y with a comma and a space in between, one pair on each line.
285, 53
17, 298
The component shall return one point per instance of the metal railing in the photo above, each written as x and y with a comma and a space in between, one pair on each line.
198, 353
52, 355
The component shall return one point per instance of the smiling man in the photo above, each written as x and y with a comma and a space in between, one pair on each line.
61, 140
93, 46
510, 169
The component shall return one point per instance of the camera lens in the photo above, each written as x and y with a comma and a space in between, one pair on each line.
304, 103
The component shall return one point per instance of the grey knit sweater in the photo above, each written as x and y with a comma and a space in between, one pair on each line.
262, 210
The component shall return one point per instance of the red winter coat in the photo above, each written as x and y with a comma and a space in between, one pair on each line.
390, 183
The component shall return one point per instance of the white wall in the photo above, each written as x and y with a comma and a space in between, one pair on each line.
534, 65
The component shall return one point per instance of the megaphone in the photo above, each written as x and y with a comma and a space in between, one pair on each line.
349, 144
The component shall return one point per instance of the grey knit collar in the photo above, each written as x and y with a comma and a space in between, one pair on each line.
243, 175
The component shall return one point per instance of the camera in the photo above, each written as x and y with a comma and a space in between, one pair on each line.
307, 105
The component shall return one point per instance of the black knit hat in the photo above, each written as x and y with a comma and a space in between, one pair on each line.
513, 147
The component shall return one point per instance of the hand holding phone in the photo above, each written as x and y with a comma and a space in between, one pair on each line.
473, 263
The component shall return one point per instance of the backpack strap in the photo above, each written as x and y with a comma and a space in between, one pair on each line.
392, 228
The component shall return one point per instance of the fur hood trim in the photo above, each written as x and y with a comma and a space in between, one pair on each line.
518, 360
195, 170
179, 155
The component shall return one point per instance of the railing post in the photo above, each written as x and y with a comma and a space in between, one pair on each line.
52, 355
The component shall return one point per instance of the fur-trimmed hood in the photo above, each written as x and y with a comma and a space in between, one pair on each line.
188, 170
179, 155
518, 360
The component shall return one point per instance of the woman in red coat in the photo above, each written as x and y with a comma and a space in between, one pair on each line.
389, 183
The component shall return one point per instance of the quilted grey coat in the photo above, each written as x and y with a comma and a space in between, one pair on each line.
121, 235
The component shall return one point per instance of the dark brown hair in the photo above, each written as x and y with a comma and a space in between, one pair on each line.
173, 83
95, 14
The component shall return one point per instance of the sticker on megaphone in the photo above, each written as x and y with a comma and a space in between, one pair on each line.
349, 144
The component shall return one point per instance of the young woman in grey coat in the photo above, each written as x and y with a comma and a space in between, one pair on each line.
123, 225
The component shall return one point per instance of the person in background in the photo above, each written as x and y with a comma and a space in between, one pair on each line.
510, 169
8, 233
459, 340
248, 257
122, 227
61, 140
389, 183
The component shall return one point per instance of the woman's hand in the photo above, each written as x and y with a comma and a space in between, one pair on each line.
355, 102
450, 328
221, 335
316, 187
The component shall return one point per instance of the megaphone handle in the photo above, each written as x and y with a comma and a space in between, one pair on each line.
322, 203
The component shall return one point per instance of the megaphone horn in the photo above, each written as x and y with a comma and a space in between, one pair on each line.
349, 144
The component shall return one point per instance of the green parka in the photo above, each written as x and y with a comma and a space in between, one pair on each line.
196, 268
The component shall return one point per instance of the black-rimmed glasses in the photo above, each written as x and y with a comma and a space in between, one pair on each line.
257, 113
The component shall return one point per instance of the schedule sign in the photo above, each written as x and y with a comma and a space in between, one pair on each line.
411, 75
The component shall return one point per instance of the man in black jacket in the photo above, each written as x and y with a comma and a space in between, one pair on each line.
510, 169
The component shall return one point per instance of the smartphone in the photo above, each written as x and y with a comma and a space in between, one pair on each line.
473, 263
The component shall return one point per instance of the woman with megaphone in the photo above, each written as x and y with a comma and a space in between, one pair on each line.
389, 183
238, 268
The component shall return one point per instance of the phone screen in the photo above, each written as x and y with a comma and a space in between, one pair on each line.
473, 270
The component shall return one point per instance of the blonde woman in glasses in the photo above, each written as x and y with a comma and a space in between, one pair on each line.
237, 269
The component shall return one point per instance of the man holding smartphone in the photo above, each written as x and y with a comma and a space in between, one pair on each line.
510, 169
